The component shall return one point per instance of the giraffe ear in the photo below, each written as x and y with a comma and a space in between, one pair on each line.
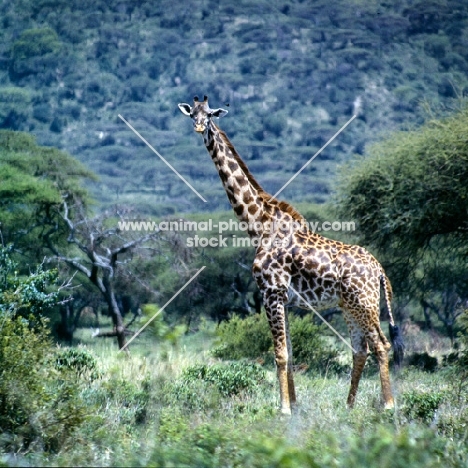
219, 112
185, 108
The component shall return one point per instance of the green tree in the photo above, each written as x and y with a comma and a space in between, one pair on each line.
35, 50
409, 198
35, 180
45, 210
412, 186
98, 250
15, 107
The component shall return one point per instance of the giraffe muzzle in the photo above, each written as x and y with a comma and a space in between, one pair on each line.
199, 128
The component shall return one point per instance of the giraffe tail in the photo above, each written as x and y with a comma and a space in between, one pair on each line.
395, 333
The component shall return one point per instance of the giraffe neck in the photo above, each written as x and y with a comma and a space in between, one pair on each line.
245, 194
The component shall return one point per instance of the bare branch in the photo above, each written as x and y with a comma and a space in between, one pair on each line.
135, 316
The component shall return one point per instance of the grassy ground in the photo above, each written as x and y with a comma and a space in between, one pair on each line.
146, 410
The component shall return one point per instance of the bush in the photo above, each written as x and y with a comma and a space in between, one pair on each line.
131, 399
43, 113
38, 405
423, 361
27, 297
57, 124
421, 405
309, 346
250, 338
79, 361
35, 42
159, 328
274, 124
40, 400
209, 445
203, 387
230, 379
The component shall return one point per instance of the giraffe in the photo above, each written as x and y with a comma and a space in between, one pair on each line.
290, 258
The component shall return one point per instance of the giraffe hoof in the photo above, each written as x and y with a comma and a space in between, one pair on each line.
286, 411
389, 405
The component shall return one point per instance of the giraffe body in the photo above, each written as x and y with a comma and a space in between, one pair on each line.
290, 258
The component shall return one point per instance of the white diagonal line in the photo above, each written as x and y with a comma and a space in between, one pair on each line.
162, 308
314, 156
163, 159
337, 333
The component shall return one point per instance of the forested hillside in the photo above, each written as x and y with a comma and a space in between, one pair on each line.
291, 72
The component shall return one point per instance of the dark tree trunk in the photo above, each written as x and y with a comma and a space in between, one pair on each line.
67, 326
115, 313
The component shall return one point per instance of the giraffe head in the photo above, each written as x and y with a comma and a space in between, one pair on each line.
201, 113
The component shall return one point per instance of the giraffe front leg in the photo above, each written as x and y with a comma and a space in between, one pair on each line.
274, 305
291, 387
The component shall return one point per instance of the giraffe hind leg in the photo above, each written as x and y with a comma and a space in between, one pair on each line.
291, 387
360, 352
381, 351
383, 338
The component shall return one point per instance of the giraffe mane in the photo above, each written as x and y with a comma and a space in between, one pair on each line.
265, 196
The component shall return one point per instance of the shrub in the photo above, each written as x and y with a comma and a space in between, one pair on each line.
274, 124
38, 406
159, 328
43, 113
35, 42
383, 447
40, 399
202, 386
230, 379
79, 361
131, 399
421, 405
309, 346
210, 445
423, 361
28, 297
57, 124
250, 338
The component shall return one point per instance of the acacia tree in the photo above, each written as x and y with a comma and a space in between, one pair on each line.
44, 209
33, 181
99, 251
443, 286
409, 198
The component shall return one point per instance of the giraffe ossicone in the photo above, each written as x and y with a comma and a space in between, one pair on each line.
325, 272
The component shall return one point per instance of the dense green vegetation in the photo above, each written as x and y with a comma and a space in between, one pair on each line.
410, 199
250, 338
293, 73
176, 406
34, 180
